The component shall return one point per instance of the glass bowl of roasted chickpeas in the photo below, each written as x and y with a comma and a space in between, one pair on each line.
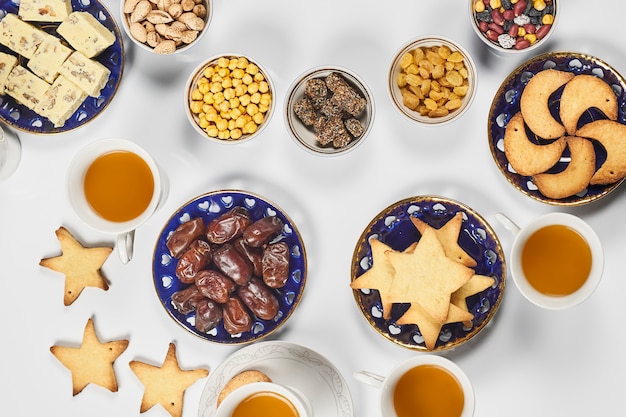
229, 98
432, 80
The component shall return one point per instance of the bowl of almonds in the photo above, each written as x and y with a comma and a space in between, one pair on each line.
165, 26
432, 80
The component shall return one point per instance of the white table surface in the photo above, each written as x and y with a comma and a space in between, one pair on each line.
527, 362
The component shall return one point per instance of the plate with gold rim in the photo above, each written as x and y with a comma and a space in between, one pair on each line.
393, 227
506, 104
24, 119
284, 363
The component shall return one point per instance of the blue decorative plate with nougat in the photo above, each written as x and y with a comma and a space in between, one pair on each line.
89, 96
428, 273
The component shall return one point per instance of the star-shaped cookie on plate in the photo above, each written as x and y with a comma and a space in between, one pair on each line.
166, 384
80, 265
379, 276
429, 327
92, 362
448, 235
476, 284
427, 276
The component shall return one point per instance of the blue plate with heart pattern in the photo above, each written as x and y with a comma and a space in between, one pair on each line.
393, 226
506, 104
22, 118
208, 207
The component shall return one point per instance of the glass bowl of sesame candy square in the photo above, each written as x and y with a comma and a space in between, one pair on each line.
329, 110
432, 80
229, 98
513, 26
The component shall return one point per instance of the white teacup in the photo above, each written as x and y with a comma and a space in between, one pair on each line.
453, 380
10, 152
537, 294
289, 395
76, 192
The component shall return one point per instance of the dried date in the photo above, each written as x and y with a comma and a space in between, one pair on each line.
276, 265
214, 285
262, 231
186, 300
228, 226
233, 263
208, 315
236, 318
193, 261
259, 299
254, 255
184, 235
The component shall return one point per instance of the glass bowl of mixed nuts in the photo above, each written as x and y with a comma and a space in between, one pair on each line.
166, 26
229, 98
513, 26
432, 80
329, 110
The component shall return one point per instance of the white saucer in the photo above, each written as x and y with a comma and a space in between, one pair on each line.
288, 364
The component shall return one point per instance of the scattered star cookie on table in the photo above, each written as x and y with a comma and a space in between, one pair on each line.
80, 265
165, 385
92, 362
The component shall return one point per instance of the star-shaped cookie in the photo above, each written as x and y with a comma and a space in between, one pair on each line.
476, 284
166, 384
427, 276
92, 362
80, 265
448, 235
429, 327
379, 276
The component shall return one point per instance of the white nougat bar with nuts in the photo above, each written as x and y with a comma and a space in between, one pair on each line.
7, 63
86, 34
25, 87
60, 101
48, 58
44, 10
91, 76
19, 36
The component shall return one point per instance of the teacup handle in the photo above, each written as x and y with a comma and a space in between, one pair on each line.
508, 223
369, 378
125, 246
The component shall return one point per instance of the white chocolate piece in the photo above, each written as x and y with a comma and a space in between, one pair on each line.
25, 87
7, 63
91, 76
48, 58
44, 10
86, 34
61, 100
19, 36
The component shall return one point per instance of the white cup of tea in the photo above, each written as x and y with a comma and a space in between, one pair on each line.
114, 186
265, 399
556, 259
423, 385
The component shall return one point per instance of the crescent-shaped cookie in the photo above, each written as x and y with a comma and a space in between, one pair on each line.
576, 175
526, 157
582, 93
612, 135
534, 102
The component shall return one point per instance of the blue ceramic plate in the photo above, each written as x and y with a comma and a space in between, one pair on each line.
393, 227
507, 103
210, 206
22, 118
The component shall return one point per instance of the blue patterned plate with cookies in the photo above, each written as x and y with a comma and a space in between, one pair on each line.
25, 119
177, 289
409, 228
574, 178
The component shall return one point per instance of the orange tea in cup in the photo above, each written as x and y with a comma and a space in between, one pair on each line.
556, 260
119, 186
265, 404
428, 391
